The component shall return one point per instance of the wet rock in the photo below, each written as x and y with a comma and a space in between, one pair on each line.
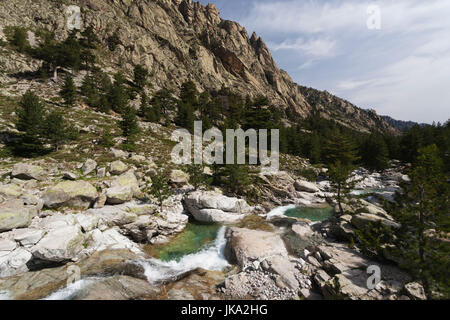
119, 287
40, 284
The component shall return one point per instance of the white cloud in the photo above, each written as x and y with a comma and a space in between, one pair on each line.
319, 47
401, 70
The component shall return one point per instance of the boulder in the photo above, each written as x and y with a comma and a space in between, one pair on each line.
119, 287
40, 284
70, 176
13, 214
28, 237
245, 246
117, 167
362, 220
101, 172
28, 172
10, 191
138, 158
70, 193
15, 262
306, 186
179, 177
119, 153
216, 208
118, 195
127, 179
59, 245
415, 291
88, 166
302, 230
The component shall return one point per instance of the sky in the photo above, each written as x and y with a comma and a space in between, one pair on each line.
389, 55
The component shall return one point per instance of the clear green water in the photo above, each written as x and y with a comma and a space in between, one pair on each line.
313, 214
191, 240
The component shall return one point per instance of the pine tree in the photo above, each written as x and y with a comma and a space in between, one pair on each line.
160, 188
19, 39
68, 91
423, 211
342, 148
30, 120
374, 153
130, 127
57, 131
118, 94
89, 38
196, 176
339, 174
185, 117
107, 139
140, 77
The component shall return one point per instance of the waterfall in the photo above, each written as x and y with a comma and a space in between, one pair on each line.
211, 257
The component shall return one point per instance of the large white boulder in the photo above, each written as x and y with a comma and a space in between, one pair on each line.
216, 208
60, 245
306, 186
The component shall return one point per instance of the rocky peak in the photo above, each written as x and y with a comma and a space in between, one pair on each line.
179, 40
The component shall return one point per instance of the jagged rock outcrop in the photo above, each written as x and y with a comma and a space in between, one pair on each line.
184, 40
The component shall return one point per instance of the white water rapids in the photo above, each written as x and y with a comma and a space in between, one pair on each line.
210, 257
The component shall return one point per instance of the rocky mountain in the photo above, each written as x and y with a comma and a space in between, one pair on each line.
179, 40
400, 124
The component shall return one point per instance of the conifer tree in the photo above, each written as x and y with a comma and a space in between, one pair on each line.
197, 177
107, 139
423, 211
160, 188
19, 39
374, 153
68, 91
338, 174
57, 131
140, 77
342, 148
30, 120
118, 94
129, 126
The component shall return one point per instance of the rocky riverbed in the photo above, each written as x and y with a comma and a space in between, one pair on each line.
88, 234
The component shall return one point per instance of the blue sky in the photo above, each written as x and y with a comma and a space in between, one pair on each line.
399, 65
